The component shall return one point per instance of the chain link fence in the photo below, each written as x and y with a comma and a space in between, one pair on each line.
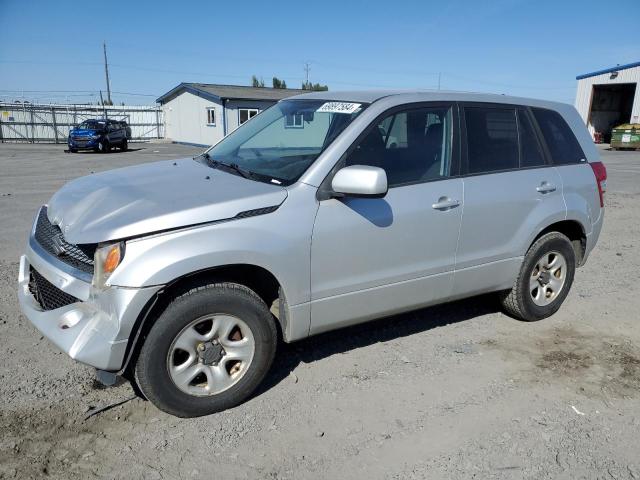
46, 123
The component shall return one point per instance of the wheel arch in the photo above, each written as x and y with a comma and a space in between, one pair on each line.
258, 279
573, 230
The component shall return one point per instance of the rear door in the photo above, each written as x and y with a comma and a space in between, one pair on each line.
115, 133
372, 257
509, 190
579, 187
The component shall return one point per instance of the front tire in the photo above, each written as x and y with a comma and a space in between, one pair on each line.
545, 278
103, 147
125, 146
208, 351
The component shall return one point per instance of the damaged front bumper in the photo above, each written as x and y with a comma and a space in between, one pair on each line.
94, 330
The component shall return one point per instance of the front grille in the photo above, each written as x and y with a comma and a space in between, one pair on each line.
50, 237
46, 293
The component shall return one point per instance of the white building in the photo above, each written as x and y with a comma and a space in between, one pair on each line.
202, 114
609, 97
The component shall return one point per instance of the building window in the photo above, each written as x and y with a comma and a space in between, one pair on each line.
245, 114
293, 120
211, 116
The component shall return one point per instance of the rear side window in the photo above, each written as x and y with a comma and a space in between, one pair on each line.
531, 154
492, 139
561, 141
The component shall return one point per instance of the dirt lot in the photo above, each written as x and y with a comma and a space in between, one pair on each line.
456, 391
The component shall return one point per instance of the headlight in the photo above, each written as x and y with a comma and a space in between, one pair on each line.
106, 260
95, 136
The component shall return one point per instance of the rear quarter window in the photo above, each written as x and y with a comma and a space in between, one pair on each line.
561, 142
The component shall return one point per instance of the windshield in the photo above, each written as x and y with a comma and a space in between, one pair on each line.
279, 144
91, 125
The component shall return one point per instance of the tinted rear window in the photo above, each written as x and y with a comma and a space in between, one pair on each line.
492, 139
561, 141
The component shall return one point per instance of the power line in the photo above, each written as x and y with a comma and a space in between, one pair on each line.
307, 68
80, 92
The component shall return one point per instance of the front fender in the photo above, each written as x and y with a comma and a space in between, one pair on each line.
279, 242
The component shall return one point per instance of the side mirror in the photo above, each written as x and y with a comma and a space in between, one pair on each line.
360, 181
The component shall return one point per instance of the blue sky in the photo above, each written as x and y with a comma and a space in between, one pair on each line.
52, 50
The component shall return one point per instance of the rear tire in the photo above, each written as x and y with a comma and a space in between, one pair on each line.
182, 363
545, 278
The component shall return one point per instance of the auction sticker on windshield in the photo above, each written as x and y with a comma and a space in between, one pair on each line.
339, 107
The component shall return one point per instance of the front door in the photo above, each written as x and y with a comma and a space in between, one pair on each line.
376, 257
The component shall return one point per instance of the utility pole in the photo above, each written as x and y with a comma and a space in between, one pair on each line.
439, 75
307, 67
106, 72
104, 110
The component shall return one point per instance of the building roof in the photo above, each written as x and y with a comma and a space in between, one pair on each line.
218, 92
230, 92
617, 68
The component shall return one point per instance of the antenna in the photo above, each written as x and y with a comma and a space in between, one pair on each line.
106, 72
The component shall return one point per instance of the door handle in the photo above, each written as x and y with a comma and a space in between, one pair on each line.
445, 203
546, 187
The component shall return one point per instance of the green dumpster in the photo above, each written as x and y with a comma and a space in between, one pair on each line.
626, 136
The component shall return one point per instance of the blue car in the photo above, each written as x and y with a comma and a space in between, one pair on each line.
99, 136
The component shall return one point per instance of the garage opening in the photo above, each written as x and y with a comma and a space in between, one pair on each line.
611, 105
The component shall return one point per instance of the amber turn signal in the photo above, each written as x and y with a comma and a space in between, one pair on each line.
112, 259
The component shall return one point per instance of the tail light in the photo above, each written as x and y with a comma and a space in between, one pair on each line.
600, 172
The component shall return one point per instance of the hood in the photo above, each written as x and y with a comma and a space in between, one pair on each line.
148, 198
84, 132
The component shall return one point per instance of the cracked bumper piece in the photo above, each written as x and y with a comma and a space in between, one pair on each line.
94, 330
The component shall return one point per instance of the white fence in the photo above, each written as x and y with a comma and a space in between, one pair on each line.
38, 123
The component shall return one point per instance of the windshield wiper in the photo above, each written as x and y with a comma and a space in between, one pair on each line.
231, 166
236, 168
240, 171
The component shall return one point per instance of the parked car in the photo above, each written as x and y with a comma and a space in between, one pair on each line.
183, 275
99, 135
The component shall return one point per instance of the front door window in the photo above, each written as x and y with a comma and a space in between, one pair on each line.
411, 146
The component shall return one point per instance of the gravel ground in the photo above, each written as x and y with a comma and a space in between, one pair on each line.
456, 391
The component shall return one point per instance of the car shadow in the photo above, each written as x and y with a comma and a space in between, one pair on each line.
318, 347
128, 150
116, 150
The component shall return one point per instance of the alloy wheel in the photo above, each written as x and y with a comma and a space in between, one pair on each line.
547, 278
211, 354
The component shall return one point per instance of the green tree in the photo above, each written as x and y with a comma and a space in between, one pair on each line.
277, 83
257, 83
316, 87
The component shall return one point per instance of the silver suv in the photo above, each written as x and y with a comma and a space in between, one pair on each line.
326, 210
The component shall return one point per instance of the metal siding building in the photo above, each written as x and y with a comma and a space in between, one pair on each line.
203, 114
609, 97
